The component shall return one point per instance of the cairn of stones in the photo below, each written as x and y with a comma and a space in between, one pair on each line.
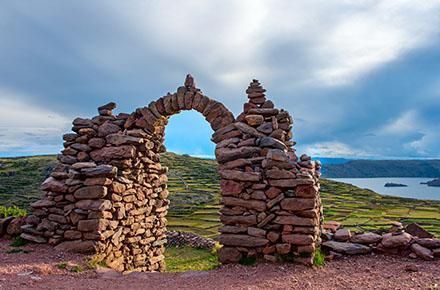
271, 204
108, 194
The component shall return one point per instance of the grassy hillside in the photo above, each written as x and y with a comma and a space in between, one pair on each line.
194, 188
359, 208
195, 199
20, 179
383, 168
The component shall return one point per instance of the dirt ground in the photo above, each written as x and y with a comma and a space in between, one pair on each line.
39, 269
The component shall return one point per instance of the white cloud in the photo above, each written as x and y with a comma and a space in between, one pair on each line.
334, 149
427, 145
411, 134
373, 35
406, 123
230, 41
311, 55
221, 39
28, 129
344, 39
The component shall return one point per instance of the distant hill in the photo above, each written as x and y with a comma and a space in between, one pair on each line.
382, 168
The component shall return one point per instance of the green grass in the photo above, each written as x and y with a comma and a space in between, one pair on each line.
20, 179
195, 199
194, 194
93, 263
77, 269
62, 265
18, 242
319, 258
186, 258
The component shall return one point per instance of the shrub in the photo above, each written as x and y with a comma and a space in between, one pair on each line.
11, 211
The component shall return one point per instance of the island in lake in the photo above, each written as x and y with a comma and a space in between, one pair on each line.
391, 184
435, 182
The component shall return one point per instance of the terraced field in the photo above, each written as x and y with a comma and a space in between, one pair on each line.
20, 179
364, 209
195, 199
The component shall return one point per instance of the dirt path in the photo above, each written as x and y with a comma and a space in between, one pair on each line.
38, 270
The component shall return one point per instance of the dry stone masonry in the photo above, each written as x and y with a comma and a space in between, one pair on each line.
412, 241
108, 195
271, 205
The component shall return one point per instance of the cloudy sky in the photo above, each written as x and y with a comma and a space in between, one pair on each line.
361, 78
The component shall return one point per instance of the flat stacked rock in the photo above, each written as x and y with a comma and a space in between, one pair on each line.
271, 203
255, 93
397, 241
108, 195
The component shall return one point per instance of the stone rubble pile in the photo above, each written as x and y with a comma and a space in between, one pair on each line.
180, 239
412, 241
108, 195
10, 226
271, 203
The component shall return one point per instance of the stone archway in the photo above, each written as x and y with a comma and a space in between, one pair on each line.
109, 195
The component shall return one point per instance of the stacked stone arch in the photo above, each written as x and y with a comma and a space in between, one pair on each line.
108, 194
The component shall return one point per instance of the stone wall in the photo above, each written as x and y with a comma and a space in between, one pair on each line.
108, 195
412, 241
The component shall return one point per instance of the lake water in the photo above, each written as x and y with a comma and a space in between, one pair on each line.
413, 190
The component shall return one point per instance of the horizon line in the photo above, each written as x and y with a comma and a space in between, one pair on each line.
212, 157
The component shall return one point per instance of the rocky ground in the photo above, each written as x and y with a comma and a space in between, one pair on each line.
179, 239
40, 269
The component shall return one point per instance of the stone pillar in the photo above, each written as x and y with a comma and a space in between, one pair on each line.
272, 207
